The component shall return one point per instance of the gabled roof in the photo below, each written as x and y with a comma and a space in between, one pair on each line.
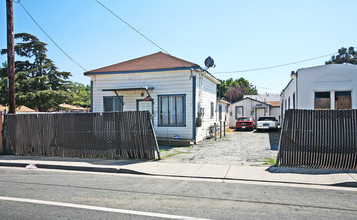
156, 61
72, 107
252, 100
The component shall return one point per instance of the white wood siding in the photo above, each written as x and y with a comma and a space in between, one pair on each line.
206, 93
164, 83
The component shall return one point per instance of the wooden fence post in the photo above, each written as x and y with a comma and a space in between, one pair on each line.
224, 128
153, 131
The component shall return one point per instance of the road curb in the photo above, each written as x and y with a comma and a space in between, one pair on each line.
129, 171
64, 167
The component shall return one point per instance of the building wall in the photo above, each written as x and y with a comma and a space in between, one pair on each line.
224, 115
206, 93
164, 83
275, 111
289, 92
332, 77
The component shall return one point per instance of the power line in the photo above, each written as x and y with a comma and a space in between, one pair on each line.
132, 27
49, 36
280, 65
267, 88
137, 31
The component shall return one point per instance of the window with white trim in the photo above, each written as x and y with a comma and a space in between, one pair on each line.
322, 100
172, 110
113, 103
343, 100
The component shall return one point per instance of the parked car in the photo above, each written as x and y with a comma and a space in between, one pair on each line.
246, 123
267, 123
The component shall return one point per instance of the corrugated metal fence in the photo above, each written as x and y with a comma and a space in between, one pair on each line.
115, 135
319, 139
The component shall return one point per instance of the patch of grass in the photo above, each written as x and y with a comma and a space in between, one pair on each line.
269, 161
175, 153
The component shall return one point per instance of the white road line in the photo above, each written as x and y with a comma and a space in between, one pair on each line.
97, 208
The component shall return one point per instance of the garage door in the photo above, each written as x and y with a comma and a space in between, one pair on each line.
259, 112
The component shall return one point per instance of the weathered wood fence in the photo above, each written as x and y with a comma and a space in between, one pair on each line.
115, 135
319, 139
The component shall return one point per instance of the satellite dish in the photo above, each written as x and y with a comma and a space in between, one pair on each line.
209, 62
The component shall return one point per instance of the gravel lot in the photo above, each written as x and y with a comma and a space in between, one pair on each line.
244, 148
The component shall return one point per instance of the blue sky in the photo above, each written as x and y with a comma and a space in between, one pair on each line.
238, 35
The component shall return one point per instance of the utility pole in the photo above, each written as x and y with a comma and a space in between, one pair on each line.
10, 55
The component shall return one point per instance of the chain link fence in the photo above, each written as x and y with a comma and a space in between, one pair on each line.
114, 135
319, 139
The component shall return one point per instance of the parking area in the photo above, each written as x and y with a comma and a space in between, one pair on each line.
246, 148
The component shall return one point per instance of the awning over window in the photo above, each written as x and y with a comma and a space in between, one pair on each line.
146, 88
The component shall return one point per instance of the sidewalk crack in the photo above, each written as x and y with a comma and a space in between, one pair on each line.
225, 176
351, 176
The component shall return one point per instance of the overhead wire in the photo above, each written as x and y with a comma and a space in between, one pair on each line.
136, 30
19, 2
275, 66
143, 35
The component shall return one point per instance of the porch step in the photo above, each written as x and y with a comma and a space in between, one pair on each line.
174, 142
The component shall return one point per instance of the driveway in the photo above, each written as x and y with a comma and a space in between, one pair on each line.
246, 148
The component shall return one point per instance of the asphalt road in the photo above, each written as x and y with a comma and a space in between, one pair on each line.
46, 194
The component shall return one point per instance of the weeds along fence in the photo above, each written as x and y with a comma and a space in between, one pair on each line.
114, 135
319, 139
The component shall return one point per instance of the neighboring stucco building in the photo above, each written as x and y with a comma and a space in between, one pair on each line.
332, 86
178, 93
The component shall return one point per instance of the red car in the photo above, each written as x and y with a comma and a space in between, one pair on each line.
246, 123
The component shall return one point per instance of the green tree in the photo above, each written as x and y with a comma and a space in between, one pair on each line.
345, 56
234, 90
81, 95
39, 85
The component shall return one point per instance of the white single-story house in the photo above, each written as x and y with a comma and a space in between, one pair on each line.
332, 86
252, 107
180, 95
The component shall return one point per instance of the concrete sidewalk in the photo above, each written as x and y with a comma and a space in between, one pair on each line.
347, 178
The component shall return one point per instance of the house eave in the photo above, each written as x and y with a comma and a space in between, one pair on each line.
142, 71
252, 100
